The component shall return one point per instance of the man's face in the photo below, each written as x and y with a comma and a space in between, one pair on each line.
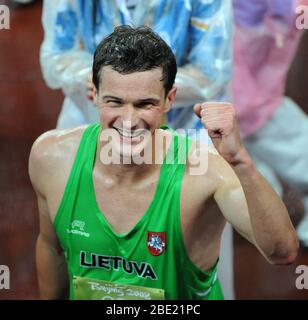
132, 105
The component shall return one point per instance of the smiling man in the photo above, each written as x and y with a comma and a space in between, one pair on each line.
147, 230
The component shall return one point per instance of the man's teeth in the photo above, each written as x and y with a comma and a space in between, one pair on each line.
130, 134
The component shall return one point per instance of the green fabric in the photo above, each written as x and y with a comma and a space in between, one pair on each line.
94, 251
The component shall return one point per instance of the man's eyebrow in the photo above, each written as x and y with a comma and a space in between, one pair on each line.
111, 97
151, 100
140, 101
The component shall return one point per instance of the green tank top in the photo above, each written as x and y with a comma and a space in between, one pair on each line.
148, 262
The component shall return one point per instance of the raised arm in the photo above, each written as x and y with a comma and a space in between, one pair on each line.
50, 260
245, 198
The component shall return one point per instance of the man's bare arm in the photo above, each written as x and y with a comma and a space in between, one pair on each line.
245, 198
250, 204
50, 260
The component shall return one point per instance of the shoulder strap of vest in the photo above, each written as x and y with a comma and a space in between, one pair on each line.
85, 154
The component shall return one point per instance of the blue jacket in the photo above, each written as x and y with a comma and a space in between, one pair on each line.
198, 31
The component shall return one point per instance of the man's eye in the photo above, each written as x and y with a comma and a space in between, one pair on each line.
113, 102
145, 105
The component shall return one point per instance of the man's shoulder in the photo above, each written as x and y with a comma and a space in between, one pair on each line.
56, 143
53, 150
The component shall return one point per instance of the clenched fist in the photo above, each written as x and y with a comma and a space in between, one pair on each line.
219, 118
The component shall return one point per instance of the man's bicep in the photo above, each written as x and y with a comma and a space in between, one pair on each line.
38, 174
231, 200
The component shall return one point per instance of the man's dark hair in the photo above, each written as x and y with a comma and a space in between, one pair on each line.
129, 50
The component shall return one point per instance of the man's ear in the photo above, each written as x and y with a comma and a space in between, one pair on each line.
170, 99
95, 96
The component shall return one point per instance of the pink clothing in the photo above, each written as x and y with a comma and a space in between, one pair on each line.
262, 55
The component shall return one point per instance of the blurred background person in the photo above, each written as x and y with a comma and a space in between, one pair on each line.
274, 126
199, 32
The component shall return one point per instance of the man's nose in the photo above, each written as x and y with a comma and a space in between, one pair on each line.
130, 116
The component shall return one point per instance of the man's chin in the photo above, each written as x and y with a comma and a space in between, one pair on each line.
133, 153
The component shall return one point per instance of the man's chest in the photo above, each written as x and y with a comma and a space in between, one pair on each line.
123, 206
